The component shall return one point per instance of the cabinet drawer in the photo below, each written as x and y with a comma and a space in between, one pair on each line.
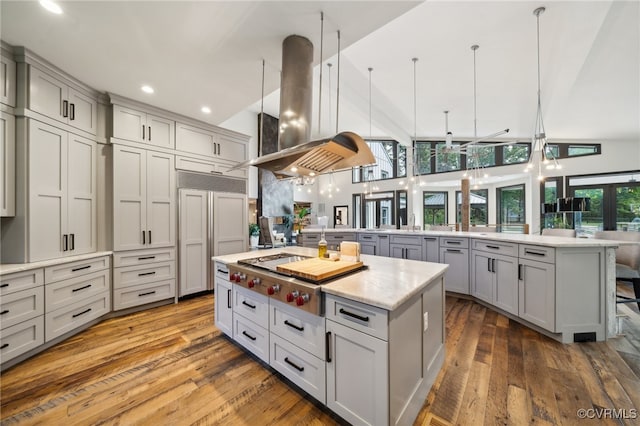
311, 237
75, 269
21, 306
539, 253
222, 272
368, 238
508, 249
295, 325
21, 281
359, 316
412, 240
252, 305
63, 293
454, 242
302, 368
251, 336
75, 315
141, 274
143, 257
144, 293
21, 338
338, 238
224, 167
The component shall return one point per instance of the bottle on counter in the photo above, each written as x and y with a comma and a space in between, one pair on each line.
322, 245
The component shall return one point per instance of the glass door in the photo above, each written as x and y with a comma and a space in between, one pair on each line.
628, 207
593, 220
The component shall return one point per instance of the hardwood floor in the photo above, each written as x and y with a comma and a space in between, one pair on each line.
170, 365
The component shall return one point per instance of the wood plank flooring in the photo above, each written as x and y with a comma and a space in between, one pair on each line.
171, 366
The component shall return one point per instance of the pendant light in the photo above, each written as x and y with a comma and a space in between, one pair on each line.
415, 128
539, 138
370, 177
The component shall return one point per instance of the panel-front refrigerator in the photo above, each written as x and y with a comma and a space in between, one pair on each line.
211, 223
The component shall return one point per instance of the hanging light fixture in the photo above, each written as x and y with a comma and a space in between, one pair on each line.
478, 171
370, 179
539, 138
415, 130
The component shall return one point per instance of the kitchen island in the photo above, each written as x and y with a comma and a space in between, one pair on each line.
374, 352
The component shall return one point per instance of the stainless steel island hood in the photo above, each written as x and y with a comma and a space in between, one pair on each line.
296, 156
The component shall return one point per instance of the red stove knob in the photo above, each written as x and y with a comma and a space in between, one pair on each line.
232, 277
273, 289
292, 296
251, 284
240, 277
302, 299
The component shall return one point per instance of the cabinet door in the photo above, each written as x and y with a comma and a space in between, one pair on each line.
396, 251
83, 111
224, 307
231, 149
161, 187
383, 245
430, 249
7, 81
129, 123
129, 197
46, 95
505, 271
196, 140
457, 276
47, 191
357, 376
7, 164
481, 276
81, 224
230, 227
160, 131
537, 284
413, 252
193, 241
368, 248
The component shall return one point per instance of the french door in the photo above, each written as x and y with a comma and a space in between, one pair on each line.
614, 206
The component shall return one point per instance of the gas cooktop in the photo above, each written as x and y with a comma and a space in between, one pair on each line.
271, 262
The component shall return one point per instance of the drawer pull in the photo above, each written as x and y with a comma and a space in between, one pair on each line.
147, 293
80, 268
520, 271
488, 264
65, 109
81, 313
338, 237
149, 237
229, 299
356, 316
293, 325
72, 114
222, 271
383, 236
244, 302
4, 346
367, 237
327, 345
453, 251
493, 247
80, 288
4, 285
6, 311
146, 273
535, 253
249, 336
430, 238
146, 258
294, 365
453, 242
493, 265
72, 237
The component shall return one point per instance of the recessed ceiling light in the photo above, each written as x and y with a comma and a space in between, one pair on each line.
205, 109
51, 6
147, 89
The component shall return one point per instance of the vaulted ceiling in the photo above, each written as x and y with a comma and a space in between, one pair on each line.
210, 53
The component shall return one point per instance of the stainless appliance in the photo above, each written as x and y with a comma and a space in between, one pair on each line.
260, 274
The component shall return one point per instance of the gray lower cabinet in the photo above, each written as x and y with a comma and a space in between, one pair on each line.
334, 239
431, 249
537, 293
383, 245
223, 300
457, 276
368, 243
405, 247
494, 280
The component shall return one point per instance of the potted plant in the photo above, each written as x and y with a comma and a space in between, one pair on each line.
300, 219
254, 232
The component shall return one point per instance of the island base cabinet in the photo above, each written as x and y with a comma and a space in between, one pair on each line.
224, 306
457, 276
357, 376
537, 284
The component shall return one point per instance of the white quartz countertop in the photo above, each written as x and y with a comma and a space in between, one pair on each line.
541, 240
9, 268
386, 282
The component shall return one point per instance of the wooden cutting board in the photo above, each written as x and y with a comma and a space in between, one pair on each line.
317, 269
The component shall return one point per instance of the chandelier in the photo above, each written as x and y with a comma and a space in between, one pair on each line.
539, 139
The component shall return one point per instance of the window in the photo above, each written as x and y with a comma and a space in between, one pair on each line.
373, 210
423, 158
391, 162
478, 207
447, 161
479, 156
577, 150
550, 191
513, 154
434, 208
511, 207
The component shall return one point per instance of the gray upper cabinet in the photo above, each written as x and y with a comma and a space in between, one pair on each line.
7, 81
56, 99
139, 126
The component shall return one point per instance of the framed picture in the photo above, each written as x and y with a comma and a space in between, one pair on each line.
341, 216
